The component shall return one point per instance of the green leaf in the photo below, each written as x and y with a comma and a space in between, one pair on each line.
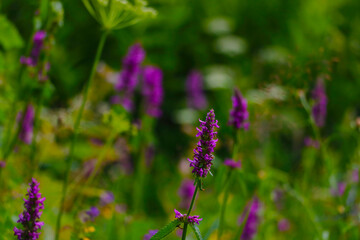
213, 227
9, 37
166, 230
196, 230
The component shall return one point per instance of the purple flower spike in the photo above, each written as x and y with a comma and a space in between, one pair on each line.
26, 131
355, 175
190, 219
38, 43
128, 78
205, 147
309, 142
232, 164
239, 114
339, 190
320, 99
29, 219
186, 192
152, 90
150, 234
194, 87
252, 222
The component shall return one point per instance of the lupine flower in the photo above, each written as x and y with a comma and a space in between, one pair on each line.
252, 221
320, 99
152, 90
128, 77
38, 43
27, 123
106, 198
194, 88
339, 190
190, 219
29, 219
205, 147
150, 234
232, 164
92, 213
309, 142
283, 225
186, 191
239, 114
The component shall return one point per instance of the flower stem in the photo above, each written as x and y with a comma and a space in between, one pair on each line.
69, 159
223, 206
188, 213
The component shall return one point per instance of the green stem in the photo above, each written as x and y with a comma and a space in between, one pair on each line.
223, 206
188, 213
69, 159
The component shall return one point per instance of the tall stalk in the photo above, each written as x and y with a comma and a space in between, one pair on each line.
69, 159
189, 211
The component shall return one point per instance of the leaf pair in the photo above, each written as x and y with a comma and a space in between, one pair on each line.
172, 226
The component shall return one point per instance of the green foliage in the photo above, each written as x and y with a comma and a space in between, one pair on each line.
196, 231
10, 37
163, 232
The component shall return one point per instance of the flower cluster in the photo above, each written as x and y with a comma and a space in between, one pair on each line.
205, 147
252, 221
152, 90
31, 215
190, 219
239, 114
27, 124
38, 44
320, 99
128, 78
194, 87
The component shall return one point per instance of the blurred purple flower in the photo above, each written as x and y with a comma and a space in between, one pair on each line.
283, 225
128, 77
38, 43
194, 87
277, 196
320, 99
239, 115
186, 191
106, 198
153, 90
120, 208
190, 219
252, 220
309, 142
339, 190
149, 155
90, 214
31, 215
205, 147
2, 164
232, 164
355, 175
150, 234
27, 123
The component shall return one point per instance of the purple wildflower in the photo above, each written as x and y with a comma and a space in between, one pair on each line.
355, 175
232, 164
2, 164
38, 43
152, 90
190, 219
283, 225
194, 87
92, 213
339, 190
27, 123
106, 198
309, 142
150, 234
186, 192
320, 99
239, 114
128, 77
205, 147
252, 221
29, 219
